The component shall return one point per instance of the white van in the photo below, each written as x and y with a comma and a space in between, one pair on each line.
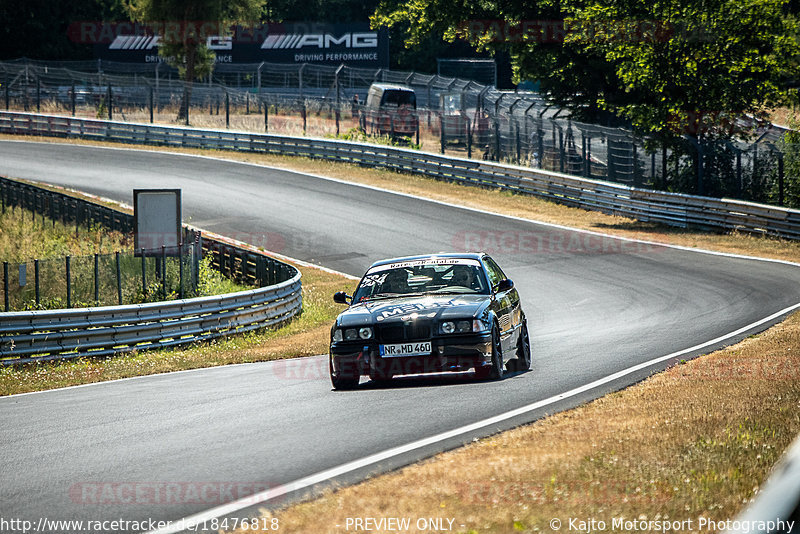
391, 109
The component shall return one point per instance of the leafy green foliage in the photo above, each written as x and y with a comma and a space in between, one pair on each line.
669, 67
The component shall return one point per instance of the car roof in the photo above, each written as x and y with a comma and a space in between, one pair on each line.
463, 255
395, 86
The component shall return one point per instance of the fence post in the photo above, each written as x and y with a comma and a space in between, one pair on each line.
38, 94
5, 285
227, 110
519, 144
119, 278
144, 275
69, 283
73, 99
180, 269
469, 138
266, 117
303, 111
163, 271
7, 94
441, 132
151, 104
97, 279
780, 178
110, 104
36, 281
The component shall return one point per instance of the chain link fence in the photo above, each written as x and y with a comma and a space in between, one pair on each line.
452, 115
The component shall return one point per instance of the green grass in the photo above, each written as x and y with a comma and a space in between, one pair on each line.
25, 237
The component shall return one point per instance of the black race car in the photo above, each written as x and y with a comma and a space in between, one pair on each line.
428, 314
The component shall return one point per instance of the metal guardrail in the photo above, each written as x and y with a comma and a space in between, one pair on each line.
776, 509
673, 209
32, 336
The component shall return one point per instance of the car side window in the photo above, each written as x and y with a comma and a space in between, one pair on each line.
495, 273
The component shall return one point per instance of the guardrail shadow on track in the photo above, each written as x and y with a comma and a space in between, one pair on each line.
673, 209
30, 336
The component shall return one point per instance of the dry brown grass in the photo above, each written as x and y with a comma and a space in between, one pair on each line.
696, 440
506, 203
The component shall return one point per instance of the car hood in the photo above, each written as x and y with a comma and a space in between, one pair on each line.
439, 307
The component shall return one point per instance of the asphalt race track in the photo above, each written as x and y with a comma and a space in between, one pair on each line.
595, 306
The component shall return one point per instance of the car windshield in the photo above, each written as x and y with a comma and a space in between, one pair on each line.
419, 278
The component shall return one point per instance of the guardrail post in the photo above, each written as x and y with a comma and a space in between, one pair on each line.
36, 281
5, 286
119, 278
69, 282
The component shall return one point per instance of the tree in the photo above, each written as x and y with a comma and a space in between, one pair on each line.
664, 65
185, 25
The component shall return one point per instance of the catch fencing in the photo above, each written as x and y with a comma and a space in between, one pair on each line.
100, 279
455, 116
643, 204
42, 335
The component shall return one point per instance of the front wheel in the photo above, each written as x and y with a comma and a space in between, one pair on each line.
343, 381
495, 370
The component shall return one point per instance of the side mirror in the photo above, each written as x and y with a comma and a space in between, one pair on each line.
505, 285
340, 297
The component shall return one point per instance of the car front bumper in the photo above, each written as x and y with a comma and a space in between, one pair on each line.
453, 353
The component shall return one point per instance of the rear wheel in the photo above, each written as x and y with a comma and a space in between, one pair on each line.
342, 380
523, 360
495, 370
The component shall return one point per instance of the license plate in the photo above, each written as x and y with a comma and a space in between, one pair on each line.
406, 349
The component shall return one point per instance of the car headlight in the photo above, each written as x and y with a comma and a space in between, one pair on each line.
478, 325
353, 334
457, 327
365, 332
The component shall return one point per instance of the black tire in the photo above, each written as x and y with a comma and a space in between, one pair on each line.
494, 371
343, 381
523, 360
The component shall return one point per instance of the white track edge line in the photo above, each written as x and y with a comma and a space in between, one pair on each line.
305, 482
